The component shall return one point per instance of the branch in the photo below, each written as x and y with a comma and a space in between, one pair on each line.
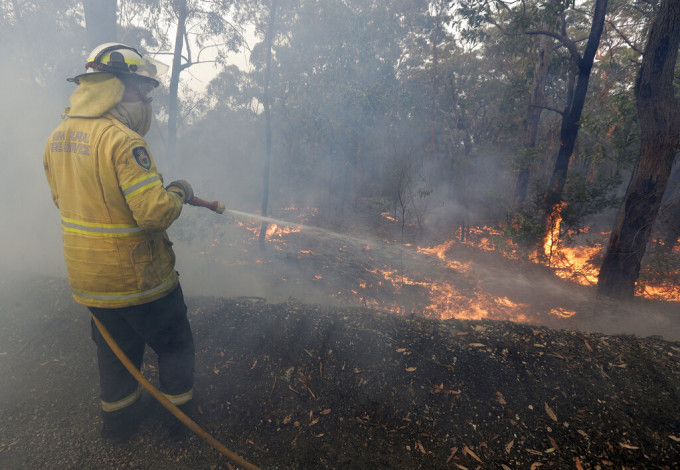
548, 108
625, 38
566, 42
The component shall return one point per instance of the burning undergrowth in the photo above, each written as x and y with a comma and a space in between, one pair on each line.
481, 276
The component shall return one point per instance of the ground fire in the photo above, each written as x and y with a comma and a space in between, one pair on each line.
431, 281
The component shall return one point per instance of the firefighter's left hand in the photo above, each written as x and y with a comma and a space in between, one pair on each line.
184, 188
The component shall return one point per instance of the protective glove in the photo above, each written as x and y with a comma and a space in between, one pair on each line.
182, 188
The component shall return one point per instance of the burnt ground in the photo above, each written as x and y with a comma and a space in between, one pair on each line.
291, 386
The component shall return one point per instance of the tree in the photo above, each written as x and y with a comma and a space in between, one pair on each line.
571, 115
659, 121
269, 39
100, 22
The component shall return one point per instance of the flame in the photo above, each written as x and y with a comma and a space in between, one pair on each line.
389, 217
553, 236
437, 285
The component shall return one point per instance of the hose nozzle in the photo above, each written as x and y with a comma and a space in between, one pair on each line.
215, 206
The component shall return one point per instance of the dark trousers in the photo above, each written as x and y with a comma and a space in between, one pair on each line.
163, 325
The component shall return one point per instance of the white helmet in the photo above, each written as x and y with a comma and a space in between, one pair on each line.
120, 59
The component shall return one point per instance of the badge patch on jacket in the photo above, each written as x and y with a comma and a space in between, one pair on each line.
142, 157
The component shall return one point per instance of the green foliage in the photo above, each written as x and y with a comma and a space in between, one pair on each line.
523, 228
585, 197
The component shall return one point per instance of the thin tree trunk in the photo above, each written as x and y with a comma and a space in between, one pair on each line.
530, 125
100, 22
173, 99
659, 118
572, 115
267, 120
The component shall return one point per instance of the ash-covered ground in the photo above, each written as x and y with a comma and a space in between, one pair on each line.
294, 385
294, 371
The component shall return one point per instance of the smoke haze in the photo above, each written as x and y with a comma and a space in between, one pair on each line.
222, 156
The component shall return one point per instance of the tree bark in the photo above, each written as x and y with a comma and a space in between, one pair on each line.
532, 120
572, 113
100, 22
659, 120
173, 99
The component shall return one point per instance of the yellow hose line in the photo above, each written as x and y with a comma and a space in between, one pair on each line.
188, 422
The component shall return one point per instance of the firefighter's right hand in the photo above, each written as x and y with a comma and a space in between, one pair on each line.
182, 188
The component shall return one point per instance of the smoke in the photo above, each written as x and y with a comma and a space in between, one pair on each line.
31, 236
222, 155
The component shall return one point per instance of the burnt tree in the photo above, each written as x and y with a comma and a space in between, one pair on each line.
659, 120
575, 102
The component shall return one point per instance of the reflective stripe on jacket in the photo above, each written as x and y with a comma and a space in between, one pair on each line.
114, 213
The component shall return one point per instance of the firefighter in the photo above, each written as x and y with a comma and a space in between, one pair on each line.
114, 216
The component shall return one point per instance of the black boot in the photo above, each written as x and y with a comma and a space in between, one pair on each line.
177, 430
120, 425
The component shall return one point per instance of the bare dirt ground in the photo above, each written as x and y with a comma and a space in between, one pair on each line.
302, 384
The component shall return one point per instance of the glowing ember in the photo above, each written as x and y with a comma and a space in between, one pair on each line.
562, 312
389, 217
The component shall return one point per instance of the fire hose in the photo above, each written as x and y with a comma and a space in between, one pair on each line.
216, 206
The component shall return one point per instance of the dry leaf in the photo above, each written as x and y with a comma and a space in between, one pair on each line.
505, 467
675, 438
466, 450
314, 421
477, 345
535, 465
550, 412
578, 464
325, 412
319, 435
401, 350
500, 398
410, 369
453, 452
509, 445
588, 346
628, 446
421, 448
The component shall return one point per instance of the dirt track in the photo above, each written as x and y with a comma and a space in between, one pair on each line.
303, 386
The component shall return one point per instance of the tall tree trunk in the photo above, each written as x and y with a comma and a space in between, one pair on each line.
267, 120
537, 102
572, 114
173, 99
100, 22
659, 118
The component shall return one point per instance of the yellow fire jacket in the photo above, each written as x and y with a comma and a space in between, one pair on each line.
114, 212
